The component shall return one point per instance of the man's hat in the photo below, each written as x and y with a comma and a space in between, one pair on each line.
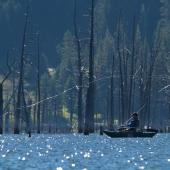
134, 114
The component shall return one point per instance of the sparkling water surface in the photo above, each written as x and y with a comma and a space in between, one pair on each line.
78, 152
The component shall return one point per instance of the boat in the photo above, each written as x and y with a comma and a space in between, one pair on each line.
129, 134
152, 130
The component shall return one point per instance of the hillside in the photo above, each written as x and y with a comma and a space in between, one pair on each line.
54, 18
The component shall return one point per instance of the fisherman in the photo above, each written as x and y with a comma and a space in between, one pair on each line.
133, 122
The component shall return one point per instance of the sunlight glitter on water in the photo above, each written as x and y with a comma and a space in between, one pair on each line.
3, 156
141, 167
79, 152
73, 165
59, 168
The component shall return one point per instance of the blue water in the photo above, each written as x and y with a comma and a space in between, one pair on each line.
78, 152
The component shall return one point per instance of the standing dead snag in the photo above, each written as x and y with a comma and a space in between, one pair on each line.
38, 86
20, 85
1, 94
89, 115
111, 94
121, 81
80, 77
1, 108
132, 68
21, 94
154, 56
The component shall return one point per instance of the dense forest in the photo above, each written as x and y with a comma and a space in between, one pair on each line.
93, 68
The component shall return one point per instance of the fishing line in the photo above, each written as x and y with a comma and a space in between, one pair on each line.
164, 88
65, 91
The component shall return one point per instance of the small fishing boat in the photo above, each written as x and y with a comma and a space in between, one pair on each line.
129, 134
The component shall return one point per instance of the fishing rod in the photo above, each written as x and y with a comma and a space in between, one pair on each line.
141, 108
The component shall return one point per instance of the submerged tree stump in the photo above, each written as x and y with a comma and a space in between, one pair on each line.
86, 132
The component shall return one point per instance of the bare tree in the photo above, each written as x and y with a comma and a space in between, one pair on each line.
112, 93
80, 71
1, 93
90, 98
38, 86
20, 94
154, 55
122, 104
132, 68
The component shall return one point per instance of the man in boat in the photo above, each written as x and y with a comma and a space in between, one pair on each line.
132, 124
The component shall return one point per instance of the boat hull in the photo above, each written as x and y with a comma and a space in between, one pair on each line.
114, 134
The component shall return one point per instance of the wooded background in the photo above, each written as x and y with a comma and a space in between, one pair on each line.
80, 64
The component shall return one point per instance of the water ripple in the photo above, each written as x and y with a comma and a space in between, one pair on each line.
64, 152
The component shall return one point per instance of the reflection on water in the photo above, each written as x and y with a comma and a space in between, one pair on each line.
65, 152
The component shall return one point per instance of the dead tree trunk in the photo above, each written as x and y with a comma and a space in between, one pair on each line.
71, 107
27, 115
34, 112
89, 115
154, 55
112, 95
13, 91
7, 124
125, 78
121, 74
20, 85
55, 116
80, 78
132, 68
38, 87
1, 95
1, 108
44, 110
143, 84
149, 88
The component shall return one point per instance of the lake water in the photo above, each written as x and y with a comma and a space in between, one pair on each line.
78, 152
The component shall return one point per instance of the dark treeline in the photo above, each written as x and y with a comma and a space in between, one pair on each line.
99, 79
